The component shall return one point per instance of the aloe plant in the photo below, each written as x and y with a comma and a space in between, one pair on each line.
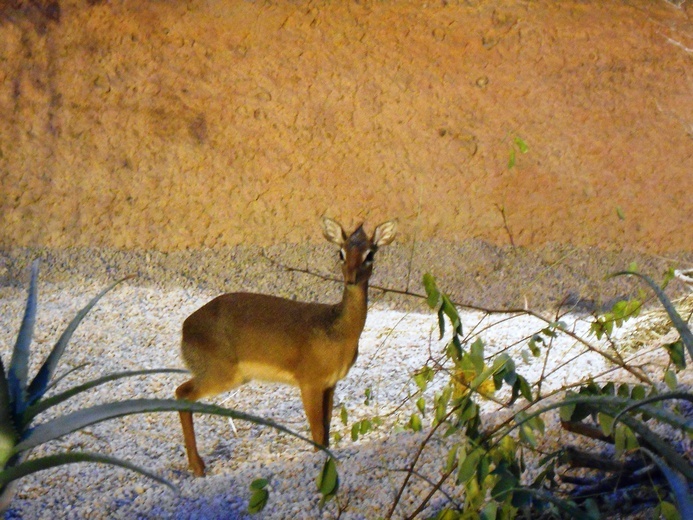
21, 402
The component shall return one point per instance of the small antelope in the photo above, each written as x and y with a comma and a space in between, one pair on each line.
242, 336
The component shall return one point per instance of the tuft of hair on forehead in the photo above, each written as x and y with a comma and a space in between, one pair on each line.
358, 236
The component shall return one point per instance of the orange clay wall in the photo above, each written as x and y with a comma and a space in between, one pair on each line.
183, 125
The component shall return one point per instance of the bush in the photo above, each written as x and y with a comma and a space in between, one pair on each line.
487, 464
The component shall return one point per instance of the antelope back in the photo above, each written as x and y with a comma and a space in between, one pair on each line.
357, 251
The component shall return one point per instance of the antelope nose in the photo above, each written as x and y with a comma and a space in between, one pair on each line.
350, 276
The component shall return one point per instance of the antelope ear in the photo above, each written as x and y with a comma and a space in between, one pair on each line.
333, 231
384, 233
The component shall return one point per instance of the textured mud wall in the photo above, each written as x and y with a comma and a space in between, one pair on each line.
172, 125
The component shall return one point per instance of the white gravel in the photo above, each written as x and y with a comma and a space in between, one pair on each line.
136, 327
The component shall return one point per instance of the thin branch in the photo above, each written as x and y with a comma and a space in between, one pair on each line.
505, 224
422, 446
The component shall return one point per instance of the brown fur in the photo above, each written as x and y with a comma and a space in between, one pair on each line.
242, 336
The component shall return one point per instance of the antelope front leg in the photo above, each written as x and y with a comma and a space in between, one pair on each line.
317, 402
327, 402
195, 462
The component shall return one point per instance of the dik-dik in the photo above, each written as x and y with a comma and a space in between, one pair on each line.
242, 336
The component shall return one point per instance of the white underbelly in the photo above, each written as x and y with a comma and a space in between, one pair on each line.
263, 372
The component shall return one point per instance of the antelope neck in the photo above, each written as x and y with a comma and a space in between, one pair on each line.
353, 307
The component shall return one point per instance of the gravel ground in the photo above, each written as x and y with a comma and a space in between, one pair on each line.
138, 326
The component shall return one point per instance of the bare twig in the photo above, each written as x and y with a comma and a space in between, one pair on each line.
422, 446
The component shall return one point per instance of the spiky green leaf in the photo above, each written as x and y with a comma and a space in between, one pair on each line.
56, 399
8, 435
17, 377
44, 375
663, 448
677, 483
60, 426
679, 323
32, 466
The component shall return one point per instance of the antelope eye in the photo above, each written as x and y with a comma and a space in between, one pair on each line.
369, 257
342, 255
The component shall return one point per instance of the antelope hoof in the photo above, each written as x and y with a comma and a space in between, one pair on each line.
198, 468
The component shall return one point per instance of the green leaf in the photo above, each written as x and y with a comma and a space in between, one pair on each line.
620, 214
452, 459
355, 430
258, 501
609, 388
620, 439
451, 312
259, 483
421, 405
592, 509
524, 388
489, 512
367, 395
448, 514
606, 422
468, 465
441, 324
328, 481
670, 379
17, 377
511, 159
415, 422
638, 393
662, 447
668, 511
527, 435
423, 377
32, 466
676, 354
40, 383
506, 482
344, 415
476, 355
366, 426
536, 351
433, 294
679, 323
468, 412
521, 145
